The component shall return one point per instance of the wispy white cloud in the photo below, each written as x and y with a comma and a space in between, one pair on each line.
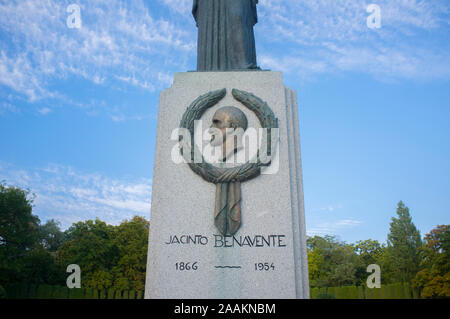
329, 208
6, 107
182, 7
69, 195
333, 228
18, 74
130, 43
328, 36
310, 22
118, 117
45, 111
118, 40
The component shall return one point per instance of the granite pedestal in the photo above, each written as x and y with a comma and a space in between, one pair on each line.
188, 258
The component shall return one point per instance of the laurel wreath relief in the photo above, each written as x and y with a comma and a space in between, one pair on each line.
242, 173
227, 212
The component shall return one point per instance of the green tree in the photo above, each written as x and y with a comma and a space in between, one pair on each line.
109, 256
369, 252
345, 264
131, 239
404, 242
51, 235
90, 245
23, 257
18, 232
335, 263
388, 272
434, 277
315, 261
39, 267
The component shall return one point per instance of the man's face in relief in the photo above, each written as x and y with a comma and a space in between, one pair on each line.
226, 120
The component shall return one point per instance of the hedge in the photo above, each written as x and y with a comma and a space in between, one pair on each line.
392, 291
23, 291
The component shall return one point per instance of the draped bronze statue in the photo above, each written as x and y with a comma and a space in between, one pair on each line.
226, 40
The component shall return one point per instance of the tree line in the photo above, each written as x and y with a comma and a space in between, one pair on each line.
405, 258
34, 253
116, 256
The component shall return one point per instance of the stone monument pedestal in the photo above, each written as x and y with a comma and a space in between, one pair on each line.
188, 258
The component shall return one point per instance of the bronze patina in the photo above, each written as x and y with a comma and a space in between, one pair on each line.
226, 39
228, 181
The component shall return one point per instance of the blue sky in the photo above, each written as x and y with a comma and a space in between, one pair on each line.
78, 107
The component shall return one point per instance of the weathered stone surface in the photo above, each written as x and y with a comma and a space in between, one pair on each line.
272, 204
